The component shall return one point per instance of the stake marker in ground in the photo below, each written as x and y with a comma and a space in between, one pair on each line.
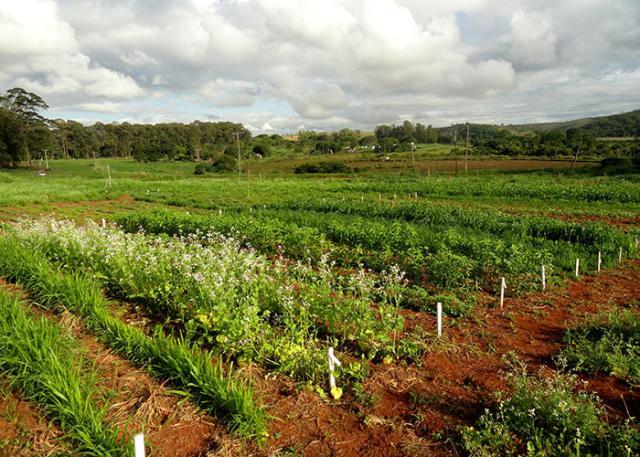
138, 445
336, 392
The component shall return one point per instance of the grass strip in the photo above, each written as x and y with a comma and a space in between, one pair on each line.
165, 357
41, 363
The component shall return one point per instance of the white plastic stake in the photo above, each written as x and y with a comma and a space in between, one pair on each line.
620, 255
104, 223
362, 199
379, 197
503, 286
138, 445
333, 362
220, 212
439, 317
415, 194
395, 197
577, 267
599, 261
544, 279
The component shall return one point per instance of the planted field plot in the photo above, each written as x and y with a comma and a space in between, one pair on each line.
474, 315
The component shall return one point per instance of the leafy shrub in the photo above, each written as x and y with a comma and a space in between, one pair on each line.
219, 164
263, 149
545, 417
323, 167
609, 343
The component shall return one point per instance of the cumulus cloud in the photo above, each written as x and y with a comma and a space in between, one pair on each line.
533, 40
39, 51
279, 64
225, 93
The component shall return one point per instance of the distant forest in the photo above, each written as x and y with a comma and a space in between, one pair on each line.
25, 134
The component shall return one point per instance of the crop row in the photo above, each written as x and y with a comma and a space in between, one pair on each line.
165, 357
44, 365
281, 314
446, 247
521, 187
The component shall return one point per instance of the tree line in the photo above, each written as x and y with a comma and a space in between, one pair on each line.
26, 135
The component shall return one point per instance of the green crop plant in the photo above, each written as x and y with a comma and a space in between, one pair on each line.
547, 417
43, 364
167, 358
608, 342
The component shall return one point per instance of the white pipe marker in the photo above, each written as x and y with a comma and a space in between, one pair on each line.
577, 267
333, 362
503, 286
599, 261
544, 279
620, 254
439, 317
104, 223
138, 445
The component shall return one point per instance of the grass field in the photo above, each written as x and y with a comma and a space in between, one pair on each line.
225, 293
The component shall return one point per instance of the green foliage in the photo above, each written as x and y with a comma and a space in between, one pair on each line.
609, 342
45, 366
617, 165
546, 418
11, 139
281, 314
165, 357
222, 163
323, 167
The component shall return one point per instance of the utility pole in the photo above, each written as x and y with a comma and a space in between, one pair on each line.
238, 145
455, 147
466, 150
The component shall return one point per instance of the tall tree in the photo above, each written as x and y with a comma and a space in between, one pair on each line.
10, 138
27, 106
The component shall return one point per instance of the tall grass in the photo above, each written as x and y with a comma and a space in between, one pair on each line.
165, 357
41, 363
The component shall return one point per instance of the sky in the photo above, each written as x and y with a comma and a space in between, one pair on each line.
283, 66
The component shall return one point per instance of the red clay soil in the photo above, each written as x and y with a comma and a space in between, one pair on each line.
458, 379
620, 222
23, 432
173, 427
86, 209
415, 410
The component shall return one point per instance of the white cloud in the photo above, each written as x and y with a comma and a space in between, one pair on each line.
31, 27
225, 93
533, 40
324, 63
40, 52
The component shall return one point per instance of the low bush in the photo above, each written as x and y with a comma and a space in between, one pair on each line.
609, 343
548, 418
323, 167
